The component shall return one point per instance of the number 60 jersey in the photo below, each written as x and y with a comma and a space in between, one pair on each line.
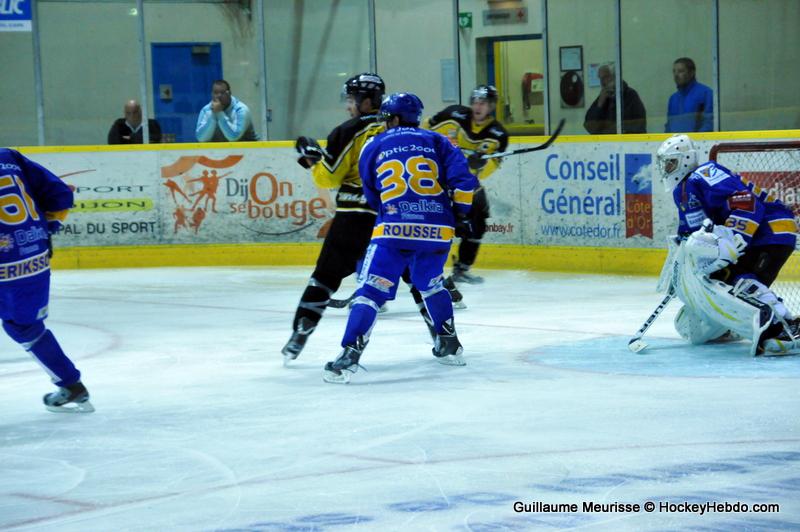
30, 197
414, 179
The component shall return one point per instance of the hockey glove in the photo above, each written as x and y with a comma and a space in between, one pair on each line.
55, 220
476, 161
54, 226
463, 227
310, 151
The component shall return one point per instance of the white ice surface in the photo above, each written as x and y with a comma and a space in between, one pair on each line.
199, 427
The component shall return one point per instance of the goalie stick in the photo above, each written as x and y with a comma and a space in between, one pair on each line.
543, 146
668, 277
636, 344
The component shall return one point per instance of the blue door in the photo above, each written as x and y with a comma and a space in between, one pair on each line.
182, 78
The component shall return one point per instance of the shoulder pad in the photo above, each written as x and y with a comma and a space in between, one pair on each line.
498, 130
455, 112
711, 173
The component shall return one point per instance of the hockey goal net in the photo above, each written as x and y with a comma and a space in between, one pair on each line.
775, 167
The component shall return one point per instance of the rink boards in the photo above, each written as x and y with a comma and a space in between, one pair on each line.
588, 203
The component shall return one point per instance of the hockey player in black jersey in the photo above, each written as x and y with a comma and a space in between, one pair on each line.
351, 228
474, 130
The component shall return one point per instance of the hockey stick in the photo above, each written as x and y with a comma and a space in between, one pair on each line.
543, 146
340, 303
636, 343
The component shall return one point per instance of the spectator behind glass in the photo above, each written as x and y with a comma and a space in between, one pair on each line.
691, 107
601, 118
128, 130
224, 118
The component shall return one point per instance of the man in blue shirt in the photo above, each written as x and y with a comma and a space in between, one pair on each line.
34, 203
224, 118
691, 107
422, 189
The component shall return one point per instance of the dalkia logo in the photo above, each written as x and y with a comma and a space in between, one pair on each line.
638, 195
6, 242
194, 183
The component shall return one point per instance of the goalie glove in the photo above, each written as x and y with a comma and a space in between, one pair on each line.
476, 161
715, 249
310, 151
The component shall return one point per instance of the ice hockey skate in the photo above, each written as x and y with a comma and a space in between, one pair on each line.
446, 348
298, 340
461, 275
787, 342
455, 293
72, 399
340, 370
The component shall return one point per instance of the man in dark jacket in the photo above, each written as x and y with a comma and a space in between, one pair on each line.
128, 130
601, 118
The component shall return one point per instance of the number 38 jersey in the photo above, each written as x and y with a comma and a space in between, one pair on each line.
712, 191
30, 196
409, 176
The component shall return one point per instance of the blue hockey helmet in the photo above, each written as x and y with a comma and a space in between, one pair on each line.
404, 105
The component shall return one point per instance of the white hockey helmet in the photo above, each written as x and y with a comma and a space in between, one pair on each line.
676, 158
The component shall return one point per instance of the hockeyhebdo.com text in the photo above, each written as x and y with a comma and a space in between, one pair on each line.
685, 507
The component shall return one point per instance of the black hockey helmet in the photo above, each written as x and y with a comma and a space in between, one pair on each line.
484, 92
365, 85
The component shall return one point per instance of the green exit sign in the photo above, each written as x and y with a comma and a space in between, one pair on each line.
464, 20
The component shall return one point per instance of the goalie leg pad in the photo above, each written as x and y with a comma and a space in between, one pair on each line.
752, 288
695, 329
714, 302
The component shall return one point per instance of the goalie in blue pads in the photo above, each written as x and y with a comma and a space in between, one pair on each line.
734, 240
33, 203
422, 189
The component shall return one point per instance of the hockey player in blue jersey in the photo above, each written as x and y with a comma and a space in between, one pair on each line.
33, 203
422, 189
736, 234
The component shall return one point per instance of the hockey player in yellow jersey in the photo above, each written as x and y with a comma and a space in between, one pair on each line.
475, 130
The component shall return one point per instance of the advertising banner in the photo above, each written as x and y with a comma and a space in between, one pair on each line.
189, 196
15, 15
600, 194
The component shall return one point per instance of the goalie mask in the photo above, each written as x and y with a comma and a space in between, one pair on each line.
676, 158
